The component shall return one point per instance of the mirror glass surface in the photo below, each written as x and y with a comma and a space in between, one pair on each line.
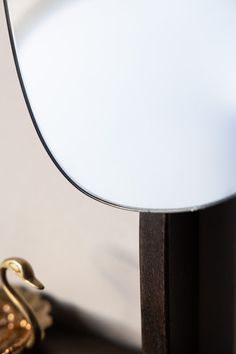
134, 99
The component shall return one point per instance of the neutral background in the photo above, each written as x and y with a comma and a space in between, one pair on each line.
85, 252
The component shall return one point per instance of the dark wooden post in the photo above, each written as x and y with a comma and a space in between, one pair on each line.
217, 280
169, 282
188, 281
154, 282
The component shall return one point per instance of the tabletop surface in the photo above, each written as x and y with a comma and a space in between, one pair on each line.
70, 333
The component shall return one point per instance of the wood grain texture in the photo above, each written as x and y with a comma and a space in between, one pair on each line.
153, 270
169, 283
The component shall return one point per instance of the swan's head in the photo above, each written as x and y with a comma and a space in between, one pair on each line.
23, 270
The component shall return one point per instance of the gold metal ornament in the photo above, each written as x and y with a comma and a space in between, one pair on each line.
24, 315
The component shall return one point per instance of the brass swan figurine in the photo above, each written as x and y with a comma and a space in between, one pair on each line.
24, 315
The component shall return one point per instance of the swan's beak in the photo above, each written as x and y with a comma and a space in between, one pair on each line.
36, 283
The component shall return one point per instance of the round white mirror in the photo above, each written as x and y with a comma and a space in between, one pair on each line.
135, 100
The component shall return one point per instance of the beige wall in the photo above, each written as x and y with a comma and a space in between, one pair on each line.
84, 251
